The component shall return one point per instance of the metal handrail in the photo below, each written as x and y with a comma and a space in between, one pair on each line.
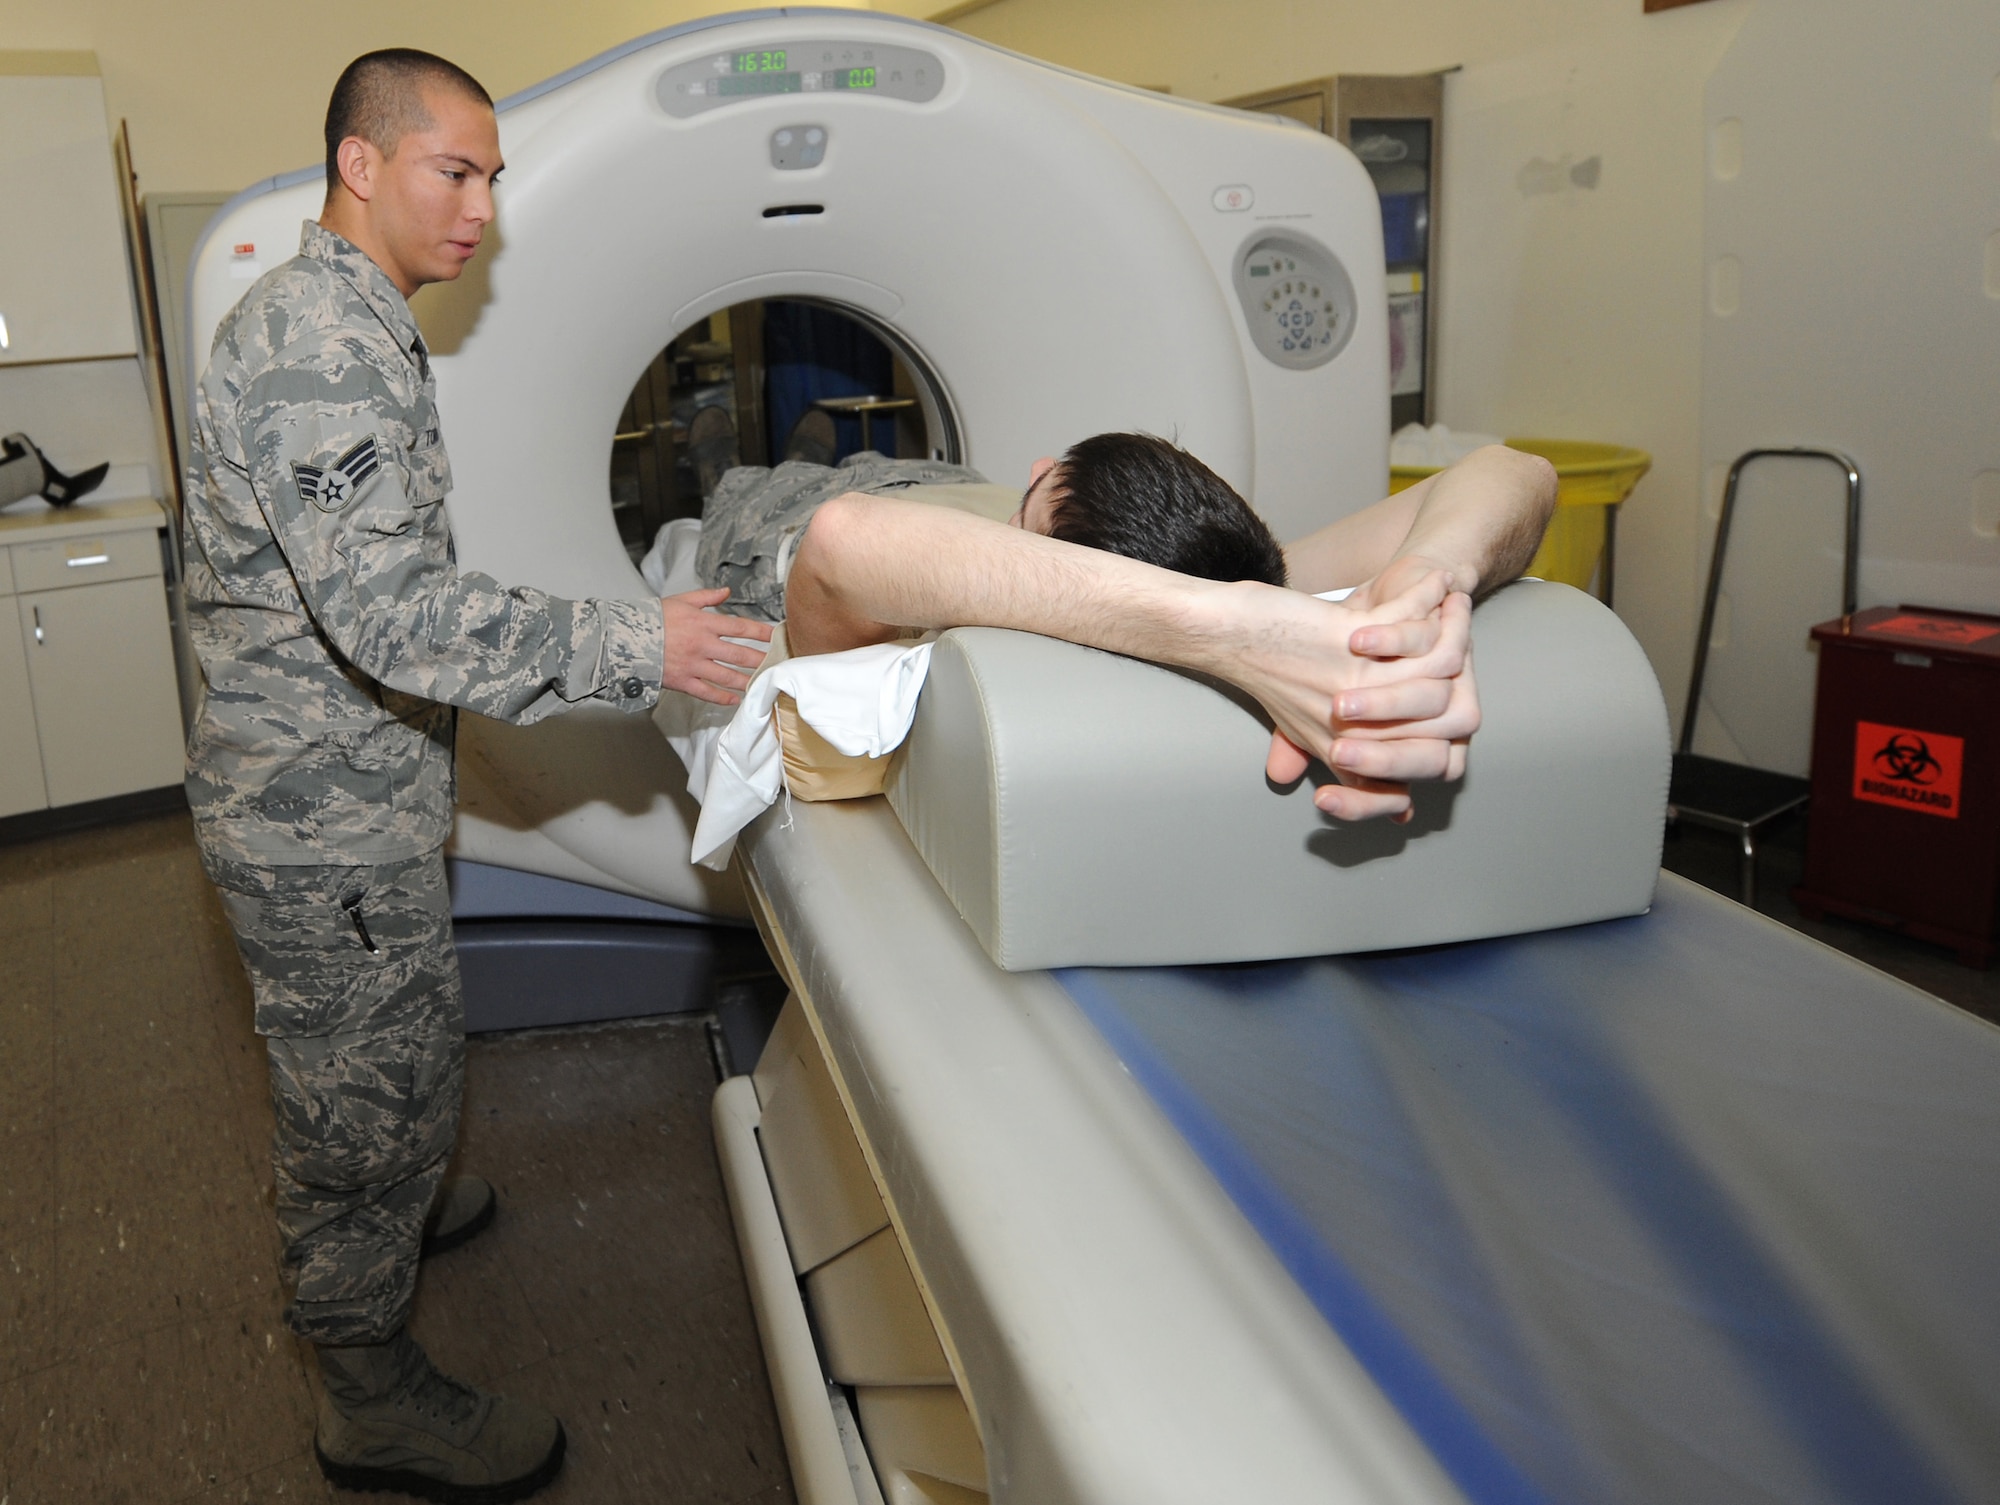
1849, 570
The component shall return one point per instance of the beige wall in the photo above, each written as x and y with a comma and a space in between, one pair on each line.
1569, 312
1212, 49
220, 93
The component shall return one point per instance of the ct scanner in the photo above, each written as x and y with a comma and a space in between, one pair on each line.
1600, 1189
1059, 256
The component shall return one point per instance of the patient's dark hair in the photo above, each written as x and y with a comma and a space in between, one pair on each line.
1139, 496
380, 99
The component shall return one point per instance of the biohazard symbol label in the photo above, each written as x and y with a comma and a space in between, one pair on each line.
1894, 765
1936, 630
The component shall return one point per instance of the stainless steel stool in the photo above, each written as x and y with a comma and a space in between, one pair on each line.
1714, 792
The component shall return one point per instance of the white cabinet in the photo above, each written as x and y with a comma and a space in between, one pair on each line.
21, 785
65, 290
88, 707
102, 673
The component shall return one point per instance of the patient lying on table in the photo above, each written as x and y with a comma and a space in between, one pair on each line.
1378, 687
1128, 494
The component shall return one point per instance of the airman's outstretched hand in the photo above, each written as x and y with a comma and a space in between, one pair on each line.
700, 659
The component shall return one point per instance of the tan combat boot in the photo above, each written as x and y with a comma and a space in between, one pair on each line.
390, 1421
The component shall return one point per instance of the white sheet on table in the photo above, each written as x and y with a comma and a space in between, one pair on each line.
861, 701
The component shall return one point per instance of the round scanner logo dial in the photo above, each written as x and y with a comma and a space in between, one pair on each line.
1297, 299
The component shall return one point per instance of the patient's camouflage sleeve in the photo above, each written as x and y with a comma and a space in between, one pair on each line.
367, 1060
754, 519
333, 627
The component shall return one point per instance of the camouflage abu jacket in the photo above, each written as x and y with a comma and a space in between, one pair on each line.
335, 633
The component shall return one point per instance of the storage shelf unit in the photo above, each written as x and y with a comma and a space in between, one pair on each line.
1395, 125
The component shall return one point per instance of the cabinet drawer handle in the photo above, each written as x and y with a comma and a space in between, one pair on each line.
82, 560
38, 625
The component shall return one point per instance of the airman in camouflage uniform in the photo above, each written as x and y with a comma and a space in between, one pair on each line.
337, 640
334, 631
336, 637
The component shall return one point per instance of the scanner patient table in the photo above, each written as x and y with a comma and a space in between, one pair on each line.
1674, 1206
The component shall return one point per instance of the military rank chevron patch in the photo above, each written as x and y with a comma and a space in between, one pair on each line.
336, 485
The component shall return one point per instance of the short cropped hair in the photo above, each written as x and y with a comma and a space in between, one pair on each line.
379, 98
1138, 495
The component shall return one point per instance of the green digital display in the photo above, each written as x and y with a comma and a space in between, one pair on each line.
851, 78
758, 83
758, 62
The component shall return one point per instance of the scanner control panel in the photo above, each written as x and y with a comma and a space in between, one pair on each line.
1297, 299
722, 79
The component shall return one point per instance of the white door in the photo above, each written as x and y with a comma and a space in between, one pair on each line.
103, 678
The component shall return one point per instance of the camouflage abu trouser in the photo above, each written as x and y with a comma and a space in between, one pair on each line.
367, 1055
752, 522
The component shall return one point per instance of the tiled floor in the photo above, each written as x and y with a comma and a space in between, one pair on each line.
141, 1354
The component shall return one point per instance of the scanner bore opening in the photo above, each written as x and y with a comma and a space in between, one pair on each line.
765, 364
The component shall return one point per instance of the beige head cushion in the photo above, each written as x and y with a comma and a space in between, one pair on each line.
1082, 808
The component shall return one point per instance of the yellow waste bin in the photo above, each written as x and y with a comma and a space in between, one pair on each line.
1591, 479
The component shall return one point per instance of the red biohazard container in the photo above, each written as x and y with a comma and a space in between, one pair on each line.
1904, 825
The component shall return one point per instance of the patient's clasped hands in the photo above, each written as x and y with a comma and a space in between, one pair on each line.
1378, 687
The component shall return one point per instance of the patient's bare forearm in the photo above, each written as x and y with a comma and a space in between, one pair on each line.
869, 567
1480, 521
1484, 518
